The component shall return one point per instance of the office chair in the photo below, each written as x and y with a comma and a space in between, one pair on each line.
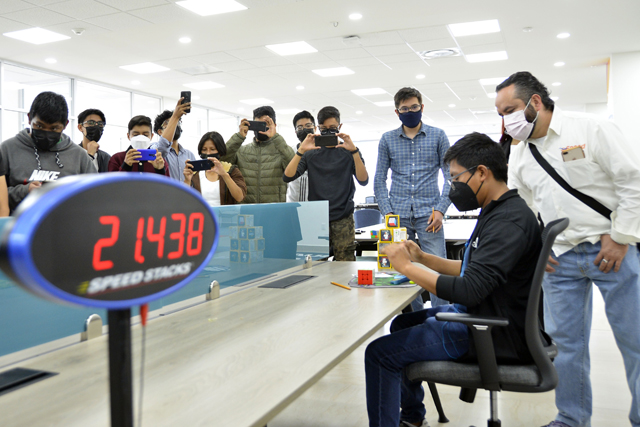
367, 217
540, 376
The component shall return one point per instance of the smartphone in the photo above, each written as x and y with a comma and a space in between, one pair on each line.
326, 140
258, 126
201, 165
575, 153
186, 94
149, 155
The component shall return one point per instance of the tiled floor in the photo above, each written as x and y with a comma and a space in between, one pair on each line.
338, 400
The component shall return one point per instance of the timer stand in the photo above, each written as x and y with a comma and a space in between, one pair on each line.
120, 372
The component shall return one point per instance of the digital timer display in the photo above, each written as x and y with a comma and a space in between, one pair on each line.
112, 240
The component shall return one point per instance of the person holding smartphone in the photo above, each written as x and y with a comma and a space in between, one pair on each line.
223, 183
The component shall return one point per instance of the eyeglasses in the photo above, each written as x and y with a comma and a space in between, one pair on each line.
306, 126
414, 109
455, 177
54, 128
331, 129
90, 123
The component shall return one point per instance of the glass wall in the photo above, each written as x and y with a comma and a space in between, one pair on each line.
19, 85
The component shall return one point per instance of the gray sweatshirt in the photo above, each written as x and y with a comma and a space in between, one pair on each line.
23, 163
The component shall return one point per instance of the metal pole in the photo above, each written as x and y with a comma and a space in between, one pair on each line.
120, 374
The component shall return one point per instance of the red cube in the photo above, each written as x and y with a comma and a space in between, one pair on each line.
365, 277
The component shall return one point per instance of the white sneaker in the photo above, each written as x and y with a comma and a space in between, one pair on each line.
425, 423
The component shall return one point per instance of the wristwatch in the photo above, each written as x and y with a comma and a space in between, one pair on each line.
299, 153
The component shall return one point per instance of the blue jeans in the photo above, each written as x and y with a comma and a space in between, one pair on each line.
414, 337
568, 312
431, 243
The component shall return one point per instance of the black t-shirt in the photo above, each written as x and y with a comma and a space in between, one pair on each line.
331, 172
504, 251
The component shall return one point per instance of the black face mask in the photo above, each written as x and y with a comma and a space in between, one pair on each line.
463, 197
261, 136
94, 133
208, 156
302, 134
177, 133
45, 139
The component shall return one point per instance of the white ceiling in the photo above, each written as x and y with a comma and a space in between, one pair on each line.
123, 32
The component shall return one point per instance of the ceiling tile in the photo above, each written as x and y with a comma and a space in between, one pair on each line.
8, 25
381, 39
81, 9
214, 58
252, 53
495, 47
394, 59
7, 6
38, 17
163, 14
395, 49
235, 66
270, 61
43, 2
252, 72
308, 57
320, 65
134, 4
333, 43
285, 69
358, 62
66, 27
350, 53
413, 35
444, 43
118, 21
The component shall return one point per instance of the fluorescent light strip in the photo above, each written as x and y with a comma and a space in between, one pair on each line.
371, 91
203, 85
257, 101
211, 7
473, 28
454, 119
332, 72
486, 57
294, 48
36, 35
449, 87
145, 68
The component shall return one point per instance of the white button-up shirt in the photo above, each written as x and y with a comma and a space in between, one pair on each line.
610, 173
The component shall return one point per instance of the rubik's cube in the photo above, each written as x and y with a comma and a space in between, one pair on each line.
247, 242
392, 233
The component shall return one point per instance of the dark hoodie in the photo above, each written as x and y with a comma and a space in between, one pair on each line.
23, 163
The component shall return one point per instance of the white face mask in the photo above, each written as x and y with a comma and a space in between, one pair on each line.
516, 124
140, 142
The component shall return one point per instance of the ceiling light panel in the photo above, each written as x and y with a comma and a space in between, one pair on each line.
294, 48
203, 85
474, 28
36, 35
332, 72
211, 7
487, 57
145, 68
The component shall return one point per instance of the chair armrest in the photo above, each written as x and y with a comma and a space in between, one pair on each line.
470, 319
480, 327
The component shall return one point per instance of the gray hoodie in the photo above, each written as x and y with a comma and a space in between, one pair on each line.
23, 163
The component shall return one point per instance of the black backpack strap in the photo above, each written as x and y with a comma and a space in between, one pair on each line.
587, 200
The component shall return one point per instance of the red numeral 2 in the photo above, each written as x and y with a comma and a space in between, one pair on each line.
99, 264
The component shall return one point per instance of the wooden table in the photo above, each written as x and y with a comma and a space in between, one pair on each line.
235, 361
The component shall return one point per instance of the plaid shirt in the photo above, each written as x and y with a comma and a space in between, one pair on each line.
414, 167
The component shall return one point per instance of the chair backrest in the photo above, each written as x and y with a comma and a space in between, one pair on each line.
370, 199
539, 350
367, 217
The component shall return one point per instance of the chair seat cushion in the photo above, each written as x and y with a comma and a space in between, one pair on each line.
512, 377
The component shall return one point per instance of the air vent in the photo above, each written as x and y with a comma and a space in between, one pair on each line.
352, 41
199, 70
439, 53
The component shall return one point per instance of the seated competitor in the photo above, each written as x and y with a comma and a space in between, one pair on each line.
493, 280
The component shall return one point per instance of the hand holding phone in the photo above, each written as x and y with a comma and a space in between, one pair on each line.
147, 155
186, 95
326, 140
201, 165
257, 126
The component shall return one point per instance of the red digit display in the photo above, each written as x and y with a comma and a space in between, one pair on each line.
158, 237
139, 234
99, 264
195, 234
178, 235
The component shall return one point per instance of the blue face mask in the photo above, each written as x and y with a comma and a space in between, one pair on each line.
410, 119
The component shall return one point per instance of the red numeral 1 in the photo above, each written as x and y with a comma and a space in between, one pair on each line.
178, 235
159, 237
195, 234
140, 233
98, 264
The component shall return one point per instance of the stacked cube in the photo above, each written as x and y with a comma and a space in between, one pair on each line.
393, 233
246, 241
